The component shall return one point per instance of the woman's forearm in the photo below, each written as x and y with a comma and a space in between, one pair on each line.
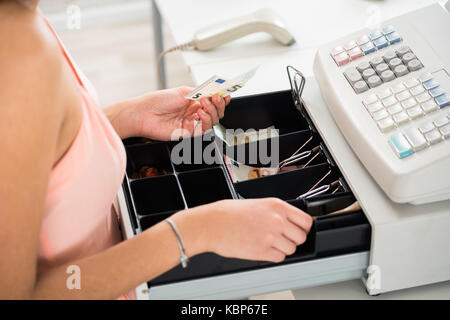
122, 119
119, 269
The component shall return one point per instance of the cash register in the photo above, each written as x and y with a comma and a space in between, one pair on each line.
389, 91
378, 109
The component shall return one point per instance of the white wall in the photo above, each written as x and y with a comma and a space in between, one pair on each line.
97, 13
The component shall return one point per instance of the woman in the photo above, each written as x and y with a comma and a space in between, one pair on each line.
63, 162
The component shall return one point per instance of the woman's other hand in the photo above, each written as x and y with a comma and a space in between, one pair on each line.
255, 229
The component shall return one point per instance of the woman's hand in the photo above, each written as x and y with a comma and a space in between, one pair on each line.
255, 229
166, 114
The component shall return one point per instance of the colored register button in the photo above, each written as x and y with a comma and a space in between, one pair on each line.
401, 145
436, 92
368, 48
380, 42
375, 35
443, 100
430, 84
362, 40
355, 53
393, 37
337, 50
350, 45
387, 30
342, 59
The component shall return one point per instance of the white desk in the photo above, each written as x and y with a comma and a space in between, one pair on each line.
312, 23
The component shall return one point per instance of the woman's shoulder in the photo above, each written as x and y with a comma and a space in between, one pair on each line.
30, 59
32, 77
38, 91
26, 41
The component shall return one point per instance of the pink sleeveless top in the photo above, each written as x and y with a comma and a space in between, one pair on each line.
79, 219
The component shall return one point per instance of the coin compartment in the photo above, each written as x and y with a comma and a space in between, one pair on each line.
156, 195
152, 155
204, 186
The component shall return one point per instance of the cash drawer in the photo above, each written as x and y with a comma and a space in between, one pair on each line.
336, 248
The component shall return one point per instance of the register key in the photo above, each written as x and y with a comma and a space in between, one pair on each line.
401, 145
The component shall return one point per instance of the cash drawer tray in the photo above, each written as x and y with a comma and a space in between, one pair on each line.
336, 248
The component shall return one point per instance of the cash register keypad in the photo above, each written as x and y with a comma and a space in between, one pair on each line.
413, 98
420, 137
382, 68
406, 101
401, 103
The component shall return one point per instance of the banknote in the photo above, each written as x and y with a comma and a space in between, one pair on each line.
220, 85
233, 139
241, 172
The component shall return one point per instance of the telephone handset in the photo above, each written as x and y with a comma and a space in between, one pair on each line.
263, 20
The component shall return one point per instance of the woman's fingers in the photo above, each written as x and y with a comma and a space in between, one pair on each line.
294, 224
284, 245
219, 102
294, 233
301, 219
206, 120
227, 100
291, 213
210, 109
273, 255
298, 217
192, 108
193, 125
215, 107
